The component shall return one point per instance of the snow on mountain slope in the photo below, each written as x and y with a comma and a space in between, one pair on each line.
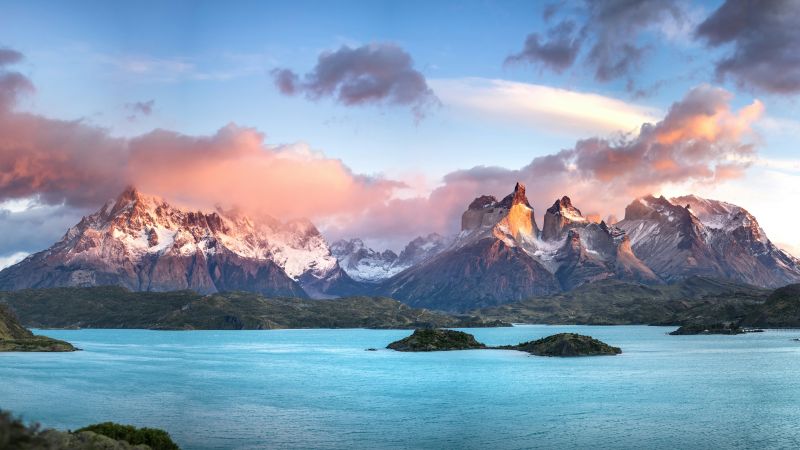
689, 235
367, 265
144, 243
501, 256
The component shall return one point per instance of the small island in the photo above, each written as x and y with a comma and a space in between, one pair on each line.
561, 345
716, 328
436, 340
567, 345
16, 338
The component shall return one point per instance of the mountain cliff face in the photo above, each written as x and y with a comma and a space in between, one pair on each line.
367, 265
501, 256
689, 235
144, 244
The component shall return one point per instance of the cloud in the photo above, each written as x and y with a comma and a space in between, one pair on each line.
69, 167
701, 141
764, 37
144, 108
611, 32
34, 228
543, 107
11, 259
370, 74
12, 84
235, 167
557, 52
140, 109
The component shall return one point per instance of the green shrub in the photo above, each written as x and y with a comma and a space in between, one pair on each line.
153, 437
15, 434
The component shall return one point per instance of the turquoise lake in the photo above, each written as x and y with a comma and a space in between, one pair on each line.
321, 389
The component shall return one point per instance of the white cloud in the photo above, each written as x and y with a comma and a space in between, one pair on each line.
543, 107
10, 260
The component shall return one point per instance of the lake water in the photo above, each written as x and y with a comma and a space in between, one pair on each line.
320, 389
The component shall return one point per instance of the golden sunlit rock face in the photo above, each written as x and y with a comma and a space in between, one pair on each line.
509, 220
517, 222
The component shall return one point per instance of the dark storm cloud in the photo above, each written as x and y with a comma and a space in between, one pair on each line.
610, 32
370, 74
764, 36
12, 83
556, 51
9, 56
35, 228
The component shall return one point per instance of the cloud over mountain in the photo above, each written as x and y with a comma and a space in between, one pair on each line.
371, 74
702, 139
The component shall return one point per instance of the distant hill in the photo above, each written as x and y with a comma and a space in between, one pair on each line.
615, 302
116, 307
781, 310
16, 338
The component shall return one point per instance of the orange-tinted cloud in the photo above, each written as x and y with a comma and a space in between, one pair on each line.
234, 167
701, 140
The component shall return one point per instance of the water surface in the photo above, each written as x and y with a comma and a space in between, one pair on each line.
320, 389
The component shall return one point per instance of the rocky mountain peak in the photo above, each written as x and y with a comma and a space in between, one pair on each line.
515, 198
143, 243
560, 217
484, 201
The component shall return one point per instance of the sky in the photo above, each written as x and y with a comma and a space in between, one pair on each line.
383, 120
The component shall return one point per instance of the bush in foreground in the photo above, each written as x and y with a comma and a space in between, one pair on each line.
152, 437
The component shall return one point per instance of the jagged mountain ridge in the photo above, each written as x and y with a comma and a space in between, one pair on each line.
370, 266
144, 244
689, 235
501, 256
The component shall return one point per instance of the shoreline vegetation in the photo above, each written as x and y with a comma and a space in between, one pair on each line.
696, 302
16, 338
15, 434
115, 307
559, 345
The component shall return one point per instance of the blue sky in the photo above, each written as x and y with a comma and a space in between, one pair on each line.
207, 64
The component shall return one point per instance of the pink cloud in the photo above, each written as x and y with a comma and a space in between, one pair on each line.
701, 140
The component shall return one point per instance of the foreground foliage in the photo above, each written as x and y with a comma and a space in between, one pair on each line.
14, 434
152, 437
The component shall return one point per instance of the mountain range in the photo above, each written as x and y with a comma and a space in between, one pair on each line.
499, 256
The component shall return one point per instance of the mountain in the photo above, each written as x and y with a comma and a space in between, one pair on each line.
685, 236
501, 256
145, 244
367, 265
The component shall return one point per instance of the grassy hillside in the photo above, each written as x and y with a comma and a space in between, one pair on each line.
16, 338
781, 310
115, 307
613, 302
